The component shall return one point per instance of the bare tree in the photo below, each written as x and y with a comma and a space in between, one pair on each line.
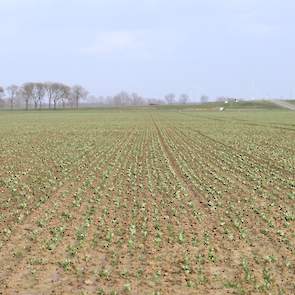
60, 92
183, 98
102, 100
137, 99
117, 100
2, 92
78, 93
49, 89
109, 100
170, 98
2, 101
35, 95
204, 99
66, 97
40, 90
121, 98
27, 93
92, 99
12, 91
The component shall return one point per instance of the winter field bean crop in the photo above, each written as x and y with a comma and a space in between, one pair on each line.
147, 201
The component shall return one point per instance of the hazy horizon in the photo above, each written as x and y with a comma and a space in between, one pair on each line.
233, 48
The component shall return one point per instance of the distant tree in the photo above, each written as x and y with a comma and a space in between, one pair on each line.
60, 92
35, 97
93, 99
101, 100
66, 97
2, 92
27, 90
204, 99
117, 99
2, 101
137, 99
12, 92
39, 94
77, 94
170, 98
183, 98
19, 100
122, 98
49, 89
109, 100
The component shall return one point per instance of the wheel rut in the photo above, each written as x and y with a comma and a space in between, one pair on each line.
174, 165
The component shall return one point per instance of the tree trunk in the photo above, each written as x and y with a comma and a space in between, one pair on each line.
27, 105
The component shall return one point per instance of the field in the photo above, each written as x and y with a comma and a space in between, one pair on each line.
147, 201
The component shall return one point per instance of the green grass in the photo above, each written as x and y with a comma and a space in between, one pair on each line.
241, 105
292, 101
210, 106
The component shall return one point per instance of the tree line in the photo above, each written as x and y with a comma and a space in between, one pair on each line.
53, 95
36, 94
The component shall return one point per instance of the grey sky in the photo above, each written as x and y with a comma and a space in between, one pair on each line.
217, 47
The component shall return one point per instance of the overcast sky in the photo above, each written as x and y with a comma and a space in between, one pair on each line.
215, 47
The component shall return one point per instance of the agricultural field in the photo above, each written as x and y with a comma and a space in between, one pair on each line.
147, 201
